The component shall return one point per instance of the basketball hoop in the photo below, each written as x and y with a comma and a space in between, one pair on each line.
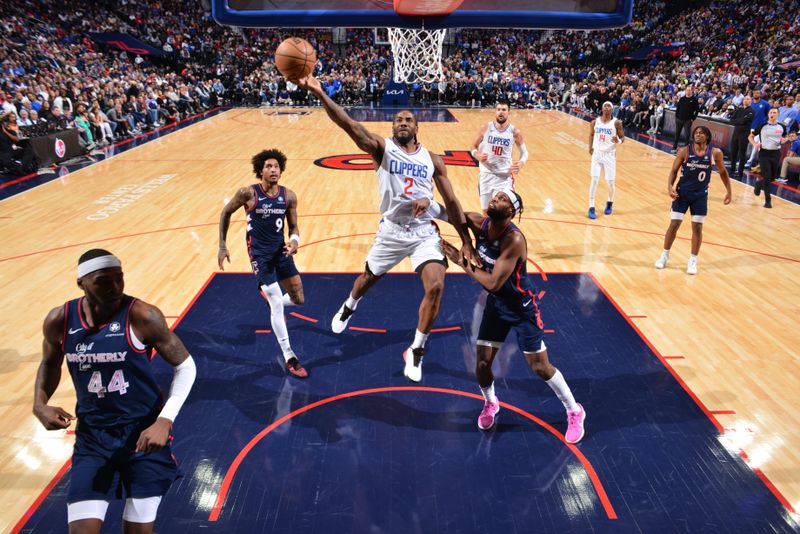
417, 54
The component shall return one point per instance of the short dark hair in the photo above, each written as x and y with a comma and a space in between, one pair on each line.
92, 254
705, 131
502, 102
262, 157
414, 115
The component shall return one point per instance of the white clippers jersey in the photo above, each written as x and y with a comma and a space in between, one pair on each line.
603, 132
498, 145
402, 178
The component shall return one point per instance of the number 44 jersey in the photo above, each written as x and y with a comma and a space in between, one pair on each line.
110, 369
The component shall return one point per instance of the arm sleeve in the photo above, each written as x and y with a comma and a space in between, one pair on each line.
182, 382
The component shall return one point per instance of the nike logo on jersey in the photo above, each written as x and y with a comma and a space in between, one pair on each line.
74, 331
526, 303
261, 199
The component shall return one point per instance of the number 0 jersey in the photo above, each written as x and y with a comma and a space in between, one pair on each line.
696, 172
112, 375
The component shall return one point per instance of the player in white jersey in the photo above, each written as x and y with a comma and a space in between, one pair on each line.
605, 134
492, 148
406, 175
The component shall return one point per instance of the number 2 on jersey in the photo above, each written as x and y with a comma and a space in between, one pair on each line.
117, 383
409, 185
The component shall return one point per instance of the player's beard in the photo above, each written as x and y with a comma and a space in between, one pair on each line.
501, 120
496, 214
404, 136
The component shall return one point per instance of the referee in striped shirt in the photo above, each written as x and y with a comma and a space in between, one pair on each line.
772, 135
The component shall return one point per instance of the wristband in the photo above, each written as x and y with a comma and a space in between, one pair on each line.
295, 238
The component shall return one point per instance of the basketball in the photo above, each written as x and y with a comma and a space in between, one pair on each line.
295, 58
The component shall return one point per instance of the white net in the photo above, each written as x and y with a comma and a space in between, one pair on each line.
417, 54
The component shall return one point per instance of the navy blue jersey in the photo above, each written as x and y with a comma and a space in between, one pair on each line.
696, 171
517, 293
113, 379
265, 222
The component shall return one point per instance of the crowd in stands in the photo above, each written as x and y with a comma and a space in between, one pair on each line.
53, 75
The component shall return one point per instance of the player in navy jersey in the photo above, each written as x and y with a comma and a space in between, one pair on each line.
270, 207
511, 305
108, 338
696, 160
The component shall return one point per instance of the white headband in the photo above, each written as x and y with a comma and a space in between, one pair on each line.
512, 196
609, 103
95, 264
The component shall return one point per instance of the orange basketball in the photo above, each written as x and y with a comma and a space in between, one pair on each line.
295, 58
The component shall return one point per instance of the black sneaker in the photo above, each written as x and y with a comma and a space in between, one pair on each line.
758, 186
768, 204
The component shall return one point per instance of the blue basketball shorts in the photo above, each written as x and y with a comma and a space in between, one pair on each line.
696, 203
105, 465
274, 268
497, 321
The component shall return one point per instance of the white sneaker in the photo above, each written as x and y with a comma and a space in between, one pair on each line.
662, 261
691, 267
340, 320
411, 371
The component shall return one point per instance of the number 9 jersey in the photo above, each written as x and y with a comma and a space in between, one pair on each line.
110, 369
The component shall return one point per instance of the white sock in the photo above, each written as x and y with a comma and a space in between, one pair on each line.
562, 391
665, 253
612, 187
693, 257
287, 300
351, 302
419, 340
275, 300
488, 393
593, 190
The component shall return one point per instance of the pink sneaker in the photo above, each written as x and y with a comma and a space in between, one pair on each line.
575, 425
488, 415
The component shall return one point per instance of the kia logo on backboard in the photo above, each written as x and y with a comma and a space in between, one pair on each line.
61, 148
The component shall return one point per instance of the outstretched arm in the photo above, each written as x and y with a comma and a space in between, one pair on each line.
513, 248
241, 198
723, 173
151, 328
49, 373
291, 219
591, 136
455, 213
371, 143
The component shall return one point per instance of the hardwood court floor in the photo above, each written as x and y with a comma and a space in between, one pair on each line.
728, 333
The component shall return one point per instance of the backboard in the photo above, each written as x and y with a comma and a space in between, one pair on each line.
542, 14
